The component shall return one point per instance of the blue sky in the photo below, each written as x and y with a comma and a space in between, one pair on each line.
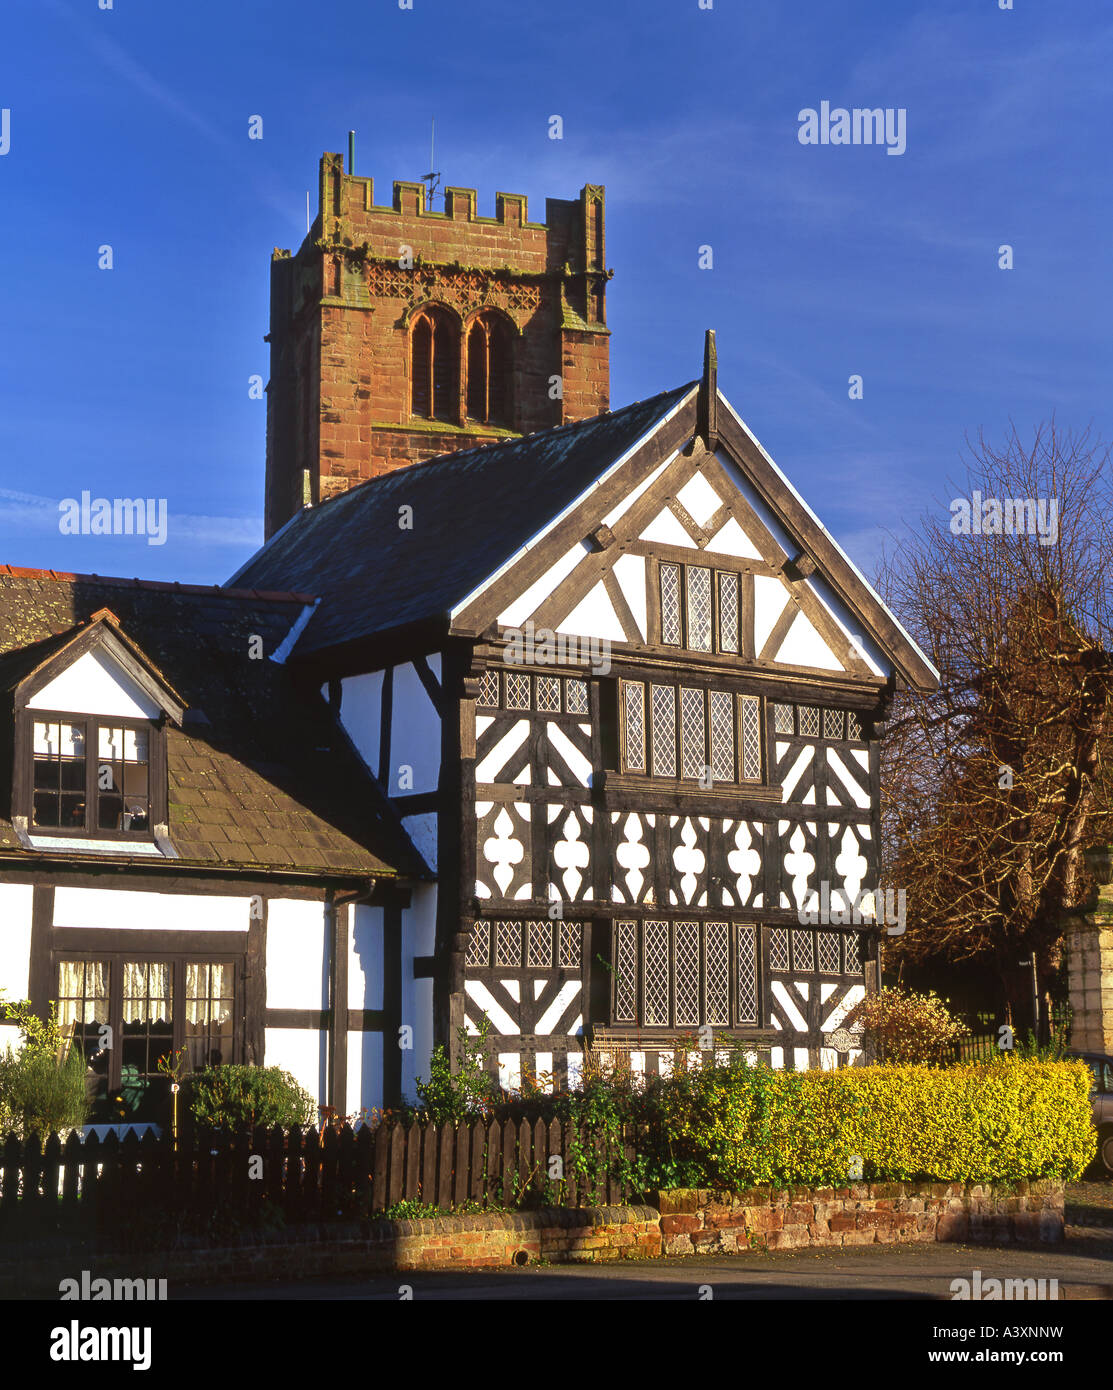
129, 127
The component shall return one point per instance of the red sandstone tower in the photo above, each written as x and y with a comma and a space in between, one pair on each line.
398, 333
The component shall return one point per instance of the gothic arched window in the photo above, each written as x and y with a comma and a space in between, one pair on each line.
435, 371
489, 370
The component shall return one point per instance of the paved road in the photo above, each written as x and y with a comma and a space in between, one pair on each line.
1083, 1267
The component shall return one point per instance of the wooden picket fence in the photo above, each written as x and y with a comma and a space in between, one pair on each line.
103, 1189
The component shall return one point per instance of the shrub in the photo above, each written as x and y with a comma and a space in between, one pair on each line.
464, 1094
738, 1126
908, 1027
245, 1097
42, 1086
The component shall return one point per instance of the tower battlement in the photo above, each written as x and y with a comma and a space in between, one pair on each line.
400, 332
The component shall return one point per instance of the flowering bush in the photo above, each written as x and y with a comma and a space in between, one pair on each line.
907, 1027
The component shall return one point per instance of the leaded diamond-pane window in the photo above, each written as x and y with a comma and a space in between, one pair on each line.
575, 696
655, 972
749, 711
626, 972
722, 735
548, 694
778, 948
489, 690
782, 719
852, 953
663, 700
854, 726
479, 947
539, 944
809, 720
833, 720
517, 690
693, 733
699, 608
728, 612
747, 974
803, 951
633, 724
687, 974
670, 605
717, 974
570, 948
829, 952
508, 943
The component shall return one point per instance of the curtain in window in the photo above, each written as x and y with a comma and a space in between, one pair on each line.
146, 992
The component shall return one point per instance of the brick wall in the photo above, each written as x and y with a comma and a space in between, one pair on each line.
698, 1222
338, 402
487, 1241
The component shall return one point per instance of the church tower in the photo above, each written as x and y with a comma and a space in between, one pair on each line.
400, 333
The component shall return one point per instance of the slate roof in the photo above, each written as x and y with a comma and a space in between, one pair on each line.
249, 786
472, 510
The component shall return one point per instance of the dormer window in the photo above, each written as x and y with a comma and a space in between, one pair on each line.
90, 744
107, 794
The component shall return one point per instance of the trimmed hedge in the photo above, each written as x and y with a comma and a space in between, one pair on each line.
1004, 1120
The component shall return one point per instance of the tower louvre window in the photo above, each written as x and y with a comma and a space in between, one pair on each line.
434, 367
489, 370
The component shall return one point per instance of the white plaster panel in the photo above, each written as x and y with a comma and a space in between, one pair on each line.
629, 570
770, 597
415, 735
622, 507
803, 646
131, 910
699, 499
365, 1071
297, 955
730, 539
95, 684
419, 931
365, 958
361, 699
303, 1052
667, 529
515, 614
15, 938
502, 752
510, 1071
594, 616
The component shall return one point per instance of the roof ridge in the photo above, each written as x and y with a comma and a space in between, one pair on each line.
174, 586
495, 445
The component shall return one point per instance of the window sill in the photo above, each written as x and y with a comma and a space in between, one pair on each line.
133, 849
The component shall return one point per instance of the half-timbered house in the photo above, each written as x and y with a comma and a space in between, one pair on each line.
622, 690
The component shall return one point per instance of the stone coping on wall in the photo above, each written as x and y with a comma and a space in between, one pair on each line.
707, 1222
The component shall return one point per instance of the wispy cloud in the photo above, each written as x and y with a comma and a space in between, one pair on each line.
25, 514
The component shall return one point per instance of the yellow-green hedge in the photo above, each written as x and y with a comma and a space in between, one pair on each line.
986, 1122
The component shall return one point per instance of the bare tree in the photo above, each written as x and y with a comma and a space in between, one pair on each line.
994, 784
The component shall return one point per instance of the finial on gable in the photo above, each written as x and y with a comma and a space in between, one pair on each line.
707, 402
